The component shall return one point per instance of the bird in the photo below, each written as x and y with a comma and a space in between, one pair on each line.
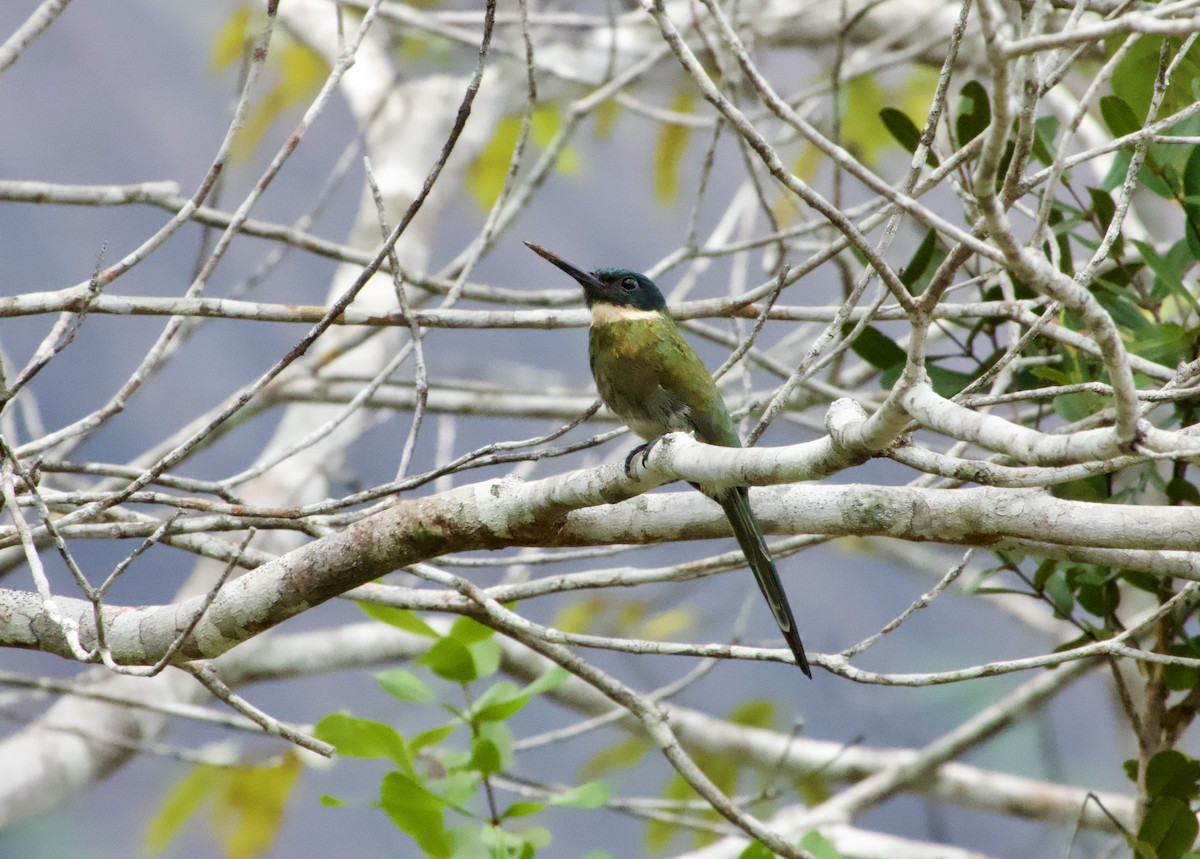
651, 378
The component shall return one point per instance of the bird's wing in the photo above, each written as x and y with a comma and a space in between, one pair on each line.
684, 379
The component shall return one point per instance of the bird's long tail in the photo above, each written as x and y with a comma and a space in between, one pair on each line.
735, 501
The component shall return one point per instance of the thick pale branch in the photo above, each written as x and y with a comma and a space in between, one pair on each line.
550, 512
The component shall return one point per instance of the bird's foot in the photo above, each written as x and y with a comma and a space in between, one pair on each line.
644, 450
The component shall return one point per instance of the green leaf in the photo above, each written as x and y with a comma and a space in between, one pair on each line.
1118, 116
1169, 827
1191, 201
330, 801
1099, 600
1172, 773
431, 737
457, 788
1182, 678
622, 755
1143, 581
399, 618
1180, 491
593, 794
1060, 595
1155, 179
1191, 175
669, 149
404, 685
450, 659
499, 702
362, 738
1135, 77
181, 803
485, 757
487, 655
549, 680
512, 845
521, 809
875, 347
1116, 173
1092, 489
1045, 129
974, 112
1167, 343
1169, 271
470, 631
1104, 208
925, 260
1044, 571
819, 846
946, 382
756, 850
1130, 766
500, 735
417, 813
903, 129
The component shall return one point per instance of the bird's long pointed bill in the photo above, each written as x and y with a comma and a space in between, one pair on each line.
585, 279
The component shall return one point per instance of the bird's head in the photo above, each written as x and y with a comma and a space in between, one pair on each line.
617, 287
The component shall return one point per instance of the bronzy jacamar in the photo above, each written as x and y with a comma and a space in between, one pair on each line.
650, 377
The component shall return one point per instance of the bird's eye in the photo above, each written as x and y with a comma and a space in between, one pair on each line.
629, 284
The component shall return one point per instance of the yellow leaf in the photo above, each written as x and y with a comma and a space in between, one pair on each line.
543, 126
252, 806
485, 175
623, 755
669, 150
862, 130
577, 617
303, 71
180, 804
301, 74
666, 624
813, 788
629, 616
755, 713
231, 39
413, 47
805, 167
917, 94
606, 118
660, 832
786, 207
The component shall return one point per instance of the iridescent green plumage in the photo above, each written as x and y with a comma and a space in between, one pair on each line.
654, 381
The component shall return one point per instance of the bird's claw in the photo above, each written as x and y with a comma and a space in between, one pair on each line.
641, 448
644, 450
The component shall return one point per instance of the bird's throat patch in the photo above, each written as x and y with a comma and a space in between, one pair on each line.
604, 314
